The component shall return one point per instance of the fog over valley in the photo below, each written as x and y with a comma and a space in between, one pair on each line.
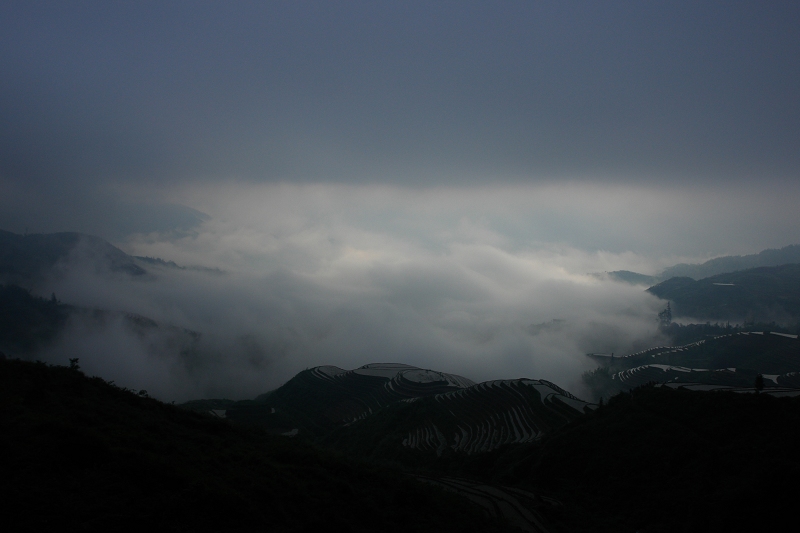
433, 184
307, 278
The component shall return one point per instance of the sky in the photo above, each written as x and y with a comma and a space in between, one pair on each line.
402, 173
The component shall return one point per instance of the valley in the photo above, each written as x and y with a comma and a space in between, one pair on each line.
657, 427
399, 267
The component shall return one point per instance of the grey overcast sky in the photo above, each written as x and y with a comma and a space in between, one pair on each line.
117, 117
399, 180
410, 93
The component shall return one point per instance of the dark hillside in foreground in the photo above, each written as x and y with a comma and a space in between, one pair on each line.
80, 454
762, 294
655, 459
663, 460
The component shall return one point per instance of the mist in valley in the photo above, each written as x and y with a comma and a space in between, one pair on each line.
348, 183
327, 283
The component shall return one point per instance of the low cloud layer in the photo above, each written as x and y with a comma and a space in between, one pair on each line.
316, 276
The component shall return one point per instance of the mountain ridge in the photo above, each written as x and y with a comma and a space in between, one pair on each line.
733, 263
719, 265
763, 294
406, 408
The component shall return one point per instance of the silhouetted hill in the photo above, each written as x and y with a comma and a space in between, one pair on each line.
659, 460
761, 294
733, 263
719, 265
29, 257
80, 454
391, 411
323, 398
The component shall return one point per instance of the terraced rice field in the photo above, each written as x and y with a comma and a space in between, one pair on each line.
514, 505
402, 382
494, 413
333, 396
753, 351
790, 379
641, 375
772, 391
659, 351
447, 411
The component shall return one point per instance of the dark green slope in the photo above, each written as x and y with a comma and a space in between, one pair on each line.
762, 294
80, 454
